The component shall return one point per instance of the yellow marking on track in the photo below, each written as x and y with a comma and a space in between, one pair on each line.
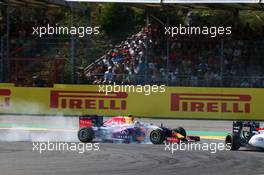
213, 137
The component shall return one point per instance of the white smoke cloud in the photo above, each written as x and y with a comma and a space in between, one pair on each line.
39, 128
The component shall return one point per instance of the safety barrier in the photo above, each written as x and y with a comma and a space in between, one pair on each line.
144, 101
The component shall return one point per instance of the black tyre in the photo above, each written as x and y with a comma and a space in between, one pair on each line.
233, 141
157, 136
181, 131
86, 134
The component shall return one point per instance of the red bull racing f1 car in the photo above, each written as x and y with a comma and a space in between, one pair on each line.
120, 129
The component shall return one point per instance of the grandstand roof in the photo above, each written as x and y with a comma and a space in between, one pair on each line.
225, 6
59, 3
212, 6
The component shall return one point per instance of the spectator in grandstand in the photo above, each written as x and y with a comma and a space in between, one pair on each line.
38, 81
109, 76
193, 61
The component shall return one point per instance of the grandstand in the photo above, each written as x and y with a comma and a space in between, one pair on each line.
148, 57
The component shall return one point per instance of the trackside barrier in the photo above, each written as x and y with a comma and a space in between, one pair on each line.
175, 102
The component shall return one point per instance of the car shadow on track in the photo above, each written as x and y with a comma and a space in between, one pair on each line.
252, 150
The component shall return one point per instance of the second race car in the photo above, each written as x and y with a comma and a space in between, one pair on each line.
246, 134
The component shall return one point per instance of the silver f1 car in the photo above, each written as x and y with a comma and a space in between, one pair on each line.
245, 134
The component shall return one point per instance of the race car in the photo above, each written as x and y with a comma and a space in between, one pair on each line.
125, 130
245, 134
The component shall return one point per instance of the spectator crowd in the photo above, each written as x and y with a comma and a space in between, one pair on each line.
150, 57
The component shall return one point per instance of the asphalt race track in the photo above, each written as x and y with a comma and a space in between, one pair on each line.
18, 158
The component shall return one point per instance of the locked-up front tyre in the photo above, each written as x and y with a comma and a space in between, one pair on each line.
157, 136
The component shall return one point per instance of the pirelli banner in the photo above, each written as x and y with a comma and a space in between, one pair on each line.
161, 102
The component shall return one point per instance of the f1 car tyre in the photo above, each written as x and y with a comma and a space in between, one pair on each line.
233, 141
86, 134
157, 136
181, 131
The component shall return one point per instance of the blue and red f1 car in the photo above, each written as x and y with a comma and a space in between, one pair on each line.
124, 129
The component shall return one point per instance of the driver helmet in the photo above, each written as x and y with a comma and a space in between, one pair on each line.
137, 124
131, 116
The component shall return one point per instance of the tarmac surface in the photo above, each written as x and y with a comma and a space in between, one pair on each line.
20, 152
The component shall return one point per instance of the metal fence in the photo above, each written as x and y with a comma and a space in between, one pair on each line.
1, 59
185, 81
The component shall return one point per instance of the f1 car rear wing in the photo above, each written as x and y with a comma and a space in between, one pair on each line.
90, 120
248, 126
245, 130
260, 129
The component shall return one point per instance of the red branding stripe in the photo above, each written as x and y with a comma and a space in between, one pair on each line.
5, 92
260, 129
85, 122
